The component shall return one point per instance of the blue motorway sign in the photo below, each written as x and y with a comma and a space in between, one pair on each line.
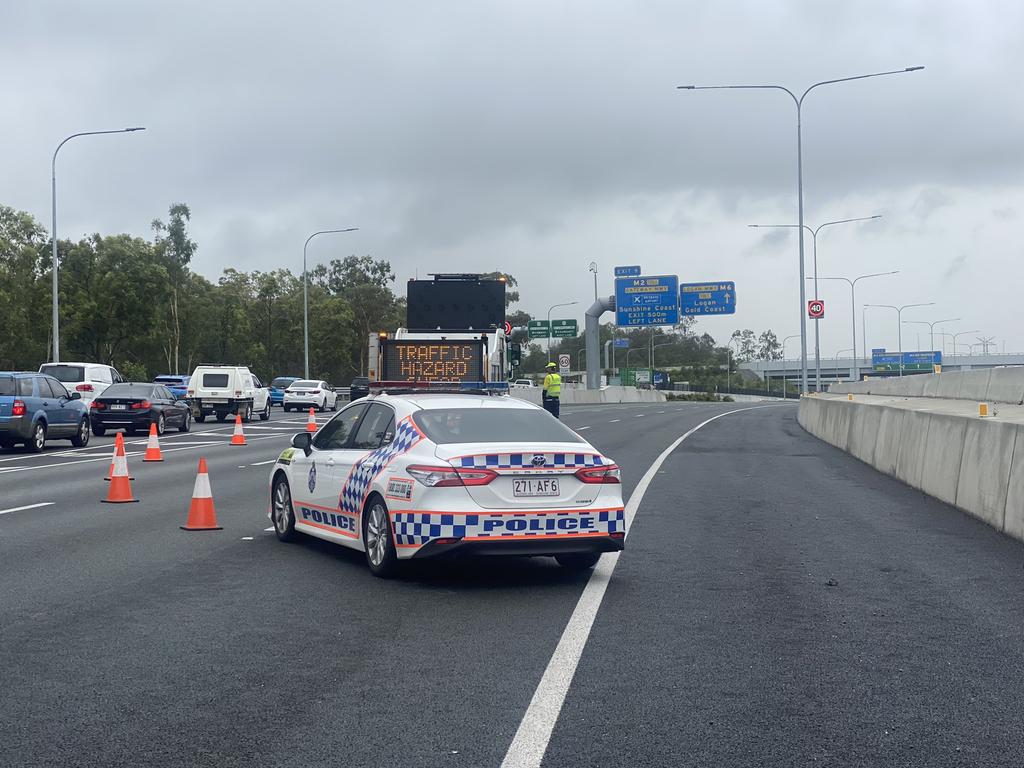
708, 298
627, 271
647, 300
621, 344
912, 361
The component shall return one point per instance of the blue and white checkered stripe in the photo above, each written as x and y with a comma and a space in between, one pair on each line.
525, 460
412, 528
353, 492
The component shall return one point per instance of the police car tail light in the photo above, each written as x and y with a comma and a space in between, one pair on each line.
447, 477
18, 408
599, 475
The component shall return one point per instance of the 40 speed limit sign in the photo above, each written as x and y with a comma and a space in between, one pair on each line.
815, 309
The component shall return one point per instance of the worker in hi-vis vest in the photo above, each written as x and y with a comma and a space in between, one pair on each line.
552, 390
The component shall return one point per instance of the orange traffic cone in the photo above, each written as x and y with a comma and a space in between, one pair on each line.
153, 446
120, 488
238, 438
118, 440
311, 422
201, 514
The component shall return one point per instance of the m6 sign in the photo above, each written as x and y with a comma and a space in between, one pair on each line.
815, 309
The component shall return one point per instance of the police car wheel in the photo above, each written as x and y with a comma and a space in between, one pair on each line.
380, 547
578, 561
284, 515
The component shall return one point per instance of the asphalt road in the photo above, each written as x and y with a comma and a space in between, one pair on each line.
778, 603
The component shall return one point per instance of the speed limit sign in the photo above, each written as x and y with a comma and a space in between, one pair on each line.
563, 363
815, 309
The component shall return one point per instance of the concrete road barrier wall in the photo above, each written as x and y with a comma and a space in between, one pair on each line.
992, 385
976, 464
573, 396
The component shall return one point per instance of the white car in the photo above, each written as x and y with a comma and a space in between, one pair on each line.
406, 476
88, 379
226, 390
309, 393
523, 383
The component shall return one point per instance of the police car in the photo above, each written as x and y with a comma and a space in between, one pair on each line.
415, 473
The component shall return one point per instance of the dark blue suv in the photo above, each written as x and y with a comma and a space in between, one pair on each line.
35, 407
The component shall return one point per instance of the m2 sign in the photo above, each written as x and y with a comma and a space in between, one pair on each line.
647, 300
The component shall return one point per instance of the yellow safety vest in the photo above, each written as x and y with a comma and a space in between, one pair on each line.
553, 385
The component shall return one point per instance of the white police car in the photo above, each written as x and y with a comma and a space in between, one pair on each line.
418, 474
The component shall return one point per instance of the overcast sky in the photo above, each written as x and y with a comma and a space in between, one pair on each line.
536, 137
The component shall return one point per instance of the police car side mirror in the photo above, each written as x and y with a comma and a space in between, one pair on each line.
304, 441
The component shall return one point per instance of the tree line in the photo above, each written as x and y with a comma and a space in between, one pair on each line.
137, 304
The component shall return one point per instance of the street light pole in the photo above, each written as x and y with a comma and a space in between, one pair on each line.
593, 268
798, 103
554, 306
814, 250
899, 322
305, 294
855, 368
931, 327
53, 200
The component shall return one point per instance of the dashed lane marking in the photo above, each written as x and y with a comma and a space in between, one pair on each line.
531, 739
261, 463
27, 506
614, 420
582, 428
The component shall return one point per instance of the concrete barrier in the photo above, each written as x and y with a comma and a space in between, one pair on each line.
1005, 385
573, 396
913, 442
949, 384
943, 451
975, 463
985, 469
974, 384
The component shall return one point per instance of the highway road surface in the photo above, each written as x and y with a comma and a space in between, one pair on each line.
778, 603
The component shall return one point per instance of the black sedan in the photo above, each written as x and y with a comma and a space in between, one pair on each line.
134, 406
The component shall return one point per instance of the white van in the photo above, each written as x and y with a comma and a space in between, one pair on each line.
225, 390
89, 379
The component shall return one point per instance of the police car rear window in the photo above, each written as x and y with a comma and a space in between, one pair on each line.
212, 380
492, 425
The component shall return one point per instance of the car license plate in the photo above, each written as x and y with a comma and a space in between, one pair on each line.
119, 407
535, 486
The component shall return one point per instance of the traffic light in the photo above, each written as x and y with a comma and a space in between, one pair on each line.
515, 354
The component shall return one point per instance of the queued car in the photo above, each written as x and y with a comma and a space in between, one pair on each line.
310, 393
278, 386
402, 476
226, 390
88, 379
176, 383
35, 408
134, 406
360, 388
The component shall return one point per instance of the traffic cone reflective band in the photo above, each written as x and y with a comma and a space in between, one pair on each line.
238, 438
153, 446
201, 514
311, 422
118, 440
120, 491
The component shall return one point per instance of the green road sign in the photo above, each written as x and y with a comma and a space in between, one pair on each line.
537, 329
564, 329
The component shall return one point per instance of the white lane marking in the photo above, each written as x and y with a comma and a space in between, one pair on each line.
531, 739
614, 420
660, 411
638, 415
580, 429
84, 452
27, 506
247, 538
86, 460
261, 463
267, 530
